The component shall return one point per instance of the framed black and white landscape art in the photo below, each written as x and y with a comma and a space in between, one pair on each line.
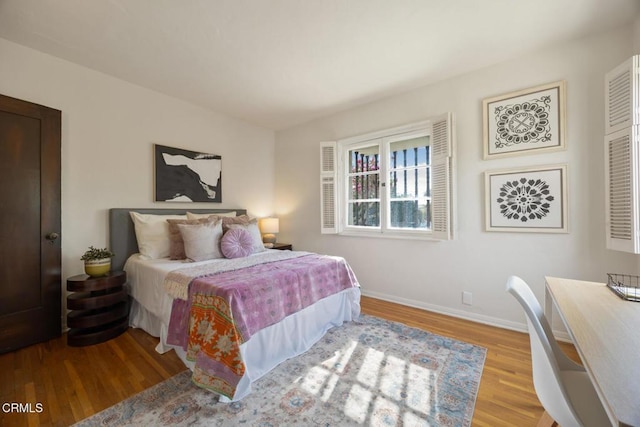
530, 199
186, 176
528, 121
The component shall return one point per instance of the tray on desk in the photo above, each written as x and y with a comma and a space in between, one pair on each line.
625, 286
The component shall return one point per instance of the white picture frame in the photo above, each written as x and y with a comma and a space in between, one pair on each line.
527, 121
531, 199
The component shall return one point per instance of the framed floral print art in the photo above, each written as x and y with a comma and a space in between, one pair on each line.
529, 121
530, 199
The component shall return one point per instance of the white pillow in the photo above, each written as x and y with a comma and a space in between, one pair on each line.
202, 241
254, 231
152, 233
191, 215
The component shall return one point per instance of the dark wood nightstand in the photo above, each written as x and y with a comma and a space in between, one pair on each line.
99, 308
282, 246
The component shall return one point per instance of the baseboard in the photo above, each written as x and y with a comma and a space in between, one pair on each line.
461, 314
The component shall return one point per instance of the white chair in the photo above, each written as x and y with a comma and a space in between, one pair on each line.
563, 386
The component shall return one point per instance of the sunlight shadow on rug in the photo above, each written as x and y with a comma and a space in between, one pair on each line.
368, 372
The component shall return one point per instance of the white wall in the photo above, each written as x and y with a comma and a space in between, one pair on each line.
108, 130
636, 35
434, 274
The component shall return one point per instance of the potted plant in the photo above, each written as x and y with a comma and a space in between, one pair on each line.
97, 262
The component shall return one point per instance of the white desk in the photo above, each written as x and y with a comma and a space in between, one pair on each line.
605, 330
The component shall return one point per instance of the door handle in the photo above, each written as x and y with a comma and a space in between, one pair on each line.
52, 237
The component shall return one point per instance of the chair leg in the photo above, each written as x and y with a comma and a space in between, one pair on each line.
546, 421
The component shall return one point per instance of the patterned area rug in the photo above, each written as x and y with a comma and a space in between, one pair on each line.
369, 372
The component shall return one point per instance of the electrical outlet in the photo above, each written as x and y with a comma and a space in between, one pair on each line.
467, 298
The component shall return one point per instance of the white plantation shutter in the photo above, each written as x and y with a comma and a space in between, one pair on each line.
442, 176
622, 158
622, 96
328, 181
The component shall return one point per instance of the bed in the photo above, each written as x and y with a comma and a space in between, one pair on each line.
168, 297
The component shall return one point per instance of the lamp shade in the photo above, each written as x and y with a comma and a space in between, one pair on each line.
270, 225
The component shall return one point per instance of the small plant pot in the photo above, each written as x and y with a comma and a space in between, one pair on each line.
97, 267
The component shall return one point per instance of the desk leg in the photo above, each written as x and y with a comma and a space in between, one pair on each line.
548, 306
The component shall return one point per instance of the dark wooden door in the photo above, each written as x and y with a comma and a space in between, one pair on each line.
30, 282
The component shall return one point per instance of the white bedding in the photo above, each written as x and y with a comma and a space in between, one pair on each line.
151, 311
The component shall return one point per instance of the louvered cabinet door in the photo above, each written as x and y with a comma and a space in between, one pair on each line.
621, 190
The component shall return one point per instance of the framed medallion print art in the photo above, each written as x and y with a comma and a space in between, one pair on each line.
528, 121
530, 199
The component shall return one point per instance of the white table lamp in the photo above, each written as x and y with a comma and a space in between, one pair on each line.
269, 228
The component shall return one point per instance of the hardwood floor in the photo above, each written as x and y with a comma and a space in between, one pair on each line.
506, 396
72, 383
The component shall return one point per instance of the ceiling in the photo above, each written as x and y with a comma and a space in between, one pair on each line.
279, 63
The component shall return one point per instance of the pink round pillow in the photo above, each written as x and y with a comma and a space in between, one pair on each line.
236, 243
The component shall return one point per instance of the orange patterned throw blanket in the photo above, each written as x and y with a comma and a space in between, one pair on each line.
223, 310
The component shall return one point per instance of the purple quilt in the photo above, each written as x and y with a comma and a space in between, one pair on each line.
225, 309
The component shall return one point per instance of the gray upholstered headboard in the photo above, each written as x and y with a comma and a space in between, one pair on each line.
122, 235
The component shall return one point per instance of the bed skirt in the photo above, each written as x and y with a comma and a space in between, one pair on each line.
294, 335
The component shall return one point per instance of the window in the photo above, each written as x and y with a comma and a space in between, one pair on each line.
394, 183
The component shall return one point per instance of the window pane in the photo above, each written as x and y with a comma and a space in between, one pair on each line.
364, 159
413, 182
411, 214
409, 152
364, 186
364, 214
